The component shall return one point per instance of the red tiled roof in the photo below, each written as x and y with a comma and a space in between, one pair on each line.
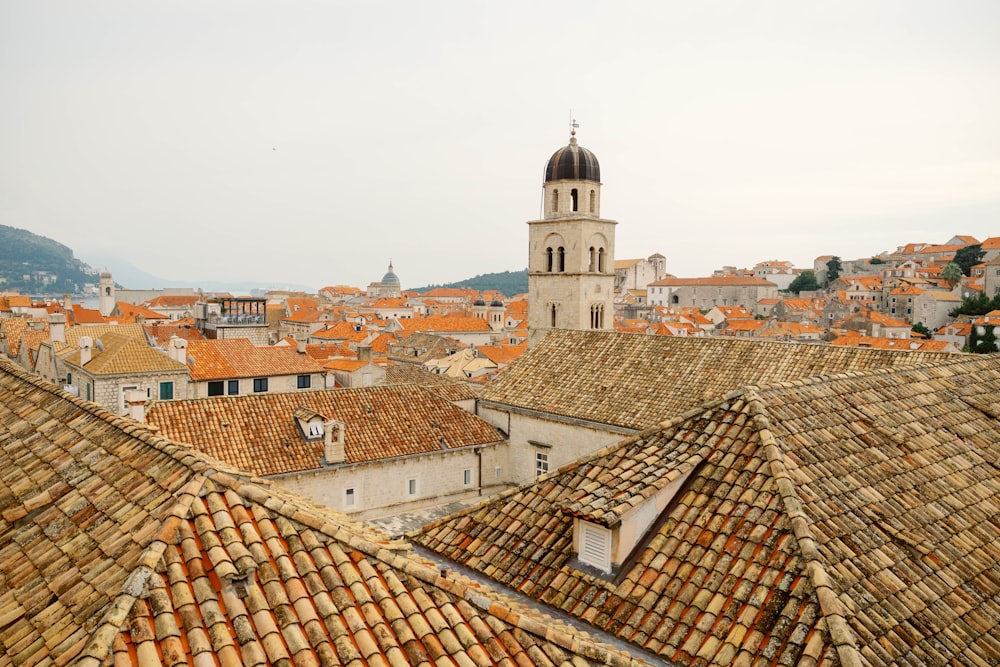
259, 432
239, 358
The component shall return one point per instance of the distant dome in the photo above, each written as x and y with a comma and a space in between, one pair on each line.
479, 301
573, 162
497, 303
390, 278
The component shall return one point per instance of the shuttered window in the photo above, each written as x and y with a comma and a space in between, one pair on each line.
595, 545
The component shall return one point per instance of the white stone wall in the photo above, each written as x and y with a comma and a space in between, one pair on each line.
382, 488
567, 441
108, 390
276, 384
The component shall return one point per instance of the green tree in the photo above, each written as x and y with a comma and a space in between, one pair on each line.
953, 274
968, 257
982, 343
804, 282
876, 260
976, 305
833, 268
921, 330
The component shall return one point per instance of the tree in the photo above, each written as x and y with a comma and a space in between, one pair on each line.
968, 257
833, 268
982, 343
976, 305
804, 282
953, 274
921, 330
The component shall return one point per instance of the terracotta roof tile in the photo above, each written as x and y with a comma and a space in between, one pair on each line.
117, 354
145, 552
848, 519
259, 432
644, 377
239, 358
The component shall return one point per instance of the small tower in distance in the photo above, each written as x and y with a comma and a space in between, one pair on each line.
106, 298
571, 250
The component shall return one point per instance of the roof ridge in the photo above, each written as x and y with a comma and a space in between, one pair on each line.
834, 611
101, 639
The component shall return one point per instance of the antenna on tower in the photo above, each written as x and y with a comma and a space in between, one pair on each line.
572, 124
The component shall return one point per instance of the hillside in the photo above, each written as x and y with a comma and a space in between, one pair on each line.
508, 283
33, 264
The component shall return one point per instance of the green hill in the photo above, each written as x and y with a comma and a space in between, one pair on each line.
33, 264
508, 283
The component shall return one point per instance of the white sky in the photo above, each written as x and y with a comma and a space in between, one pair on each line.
309, 142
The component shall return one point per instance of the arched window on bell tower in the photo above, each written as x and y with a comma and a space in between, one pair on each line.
548, 259
600, 261
574, 200
593, 259
555, 201
552, 316
562, 259
593, 201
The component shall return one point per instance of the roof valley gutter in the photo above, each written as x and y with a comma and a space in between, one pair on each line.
575, 623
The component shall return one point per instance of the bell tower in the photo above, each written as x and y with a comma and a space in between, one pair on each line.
571, 250
106, 298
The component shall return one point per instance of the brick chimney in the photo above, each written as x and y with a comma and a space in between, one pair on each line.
333, 449
135, 404
86, 345
57, 327
177, 349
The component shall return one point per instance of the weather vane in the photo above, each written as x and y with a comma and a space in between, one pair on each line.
572, 124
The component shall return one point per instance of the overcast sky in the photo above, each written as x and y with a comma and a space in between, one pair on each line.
310, 142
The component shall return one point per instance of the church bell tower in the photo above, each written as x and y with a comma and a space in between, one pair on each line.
571, 250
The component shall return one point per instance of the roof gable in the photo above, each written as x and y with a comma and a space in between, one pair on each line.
846, 519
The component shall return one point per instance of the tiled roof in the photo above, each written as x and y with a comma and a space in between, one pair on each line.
992, 243
162, 333
95, 331
122, 355
445, 324
853, 339
503, 354
634, 380
81, 315
172, 301
257, 432
130, 312
450, 389
14, 328
239, 358
847, 520
727, 280
121, 547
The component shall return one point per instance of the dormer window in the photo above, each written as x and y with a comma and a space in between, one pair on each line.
315, 430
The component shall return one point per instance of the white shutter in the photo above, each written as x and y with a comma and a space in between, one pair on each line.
595, 545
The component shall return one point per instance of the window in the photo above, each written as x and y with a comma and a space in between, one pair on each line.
303, 381
467, 476
315, 430
88, 391
541, 463
600, 261
593, 201
166, 391
216, 388
69, 378
259, 385
573, 196
555, 200
349, 497
593, 259
234, 387
548, 260
366, 379
595, 546
562, 259
411, 486
552, 313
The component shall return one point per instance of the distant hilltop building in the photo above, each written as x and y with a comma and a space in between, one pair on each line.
387, 288
571, 268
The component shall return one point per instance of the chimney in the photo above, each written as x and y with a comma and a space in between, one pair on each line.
68, 302
135, 404
333, 449
178, 349
57, 328
365, 353
86, 345
300, 347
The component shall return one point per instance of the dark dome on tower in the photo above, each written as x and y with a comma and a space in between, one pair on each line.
390, 278
573, 162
